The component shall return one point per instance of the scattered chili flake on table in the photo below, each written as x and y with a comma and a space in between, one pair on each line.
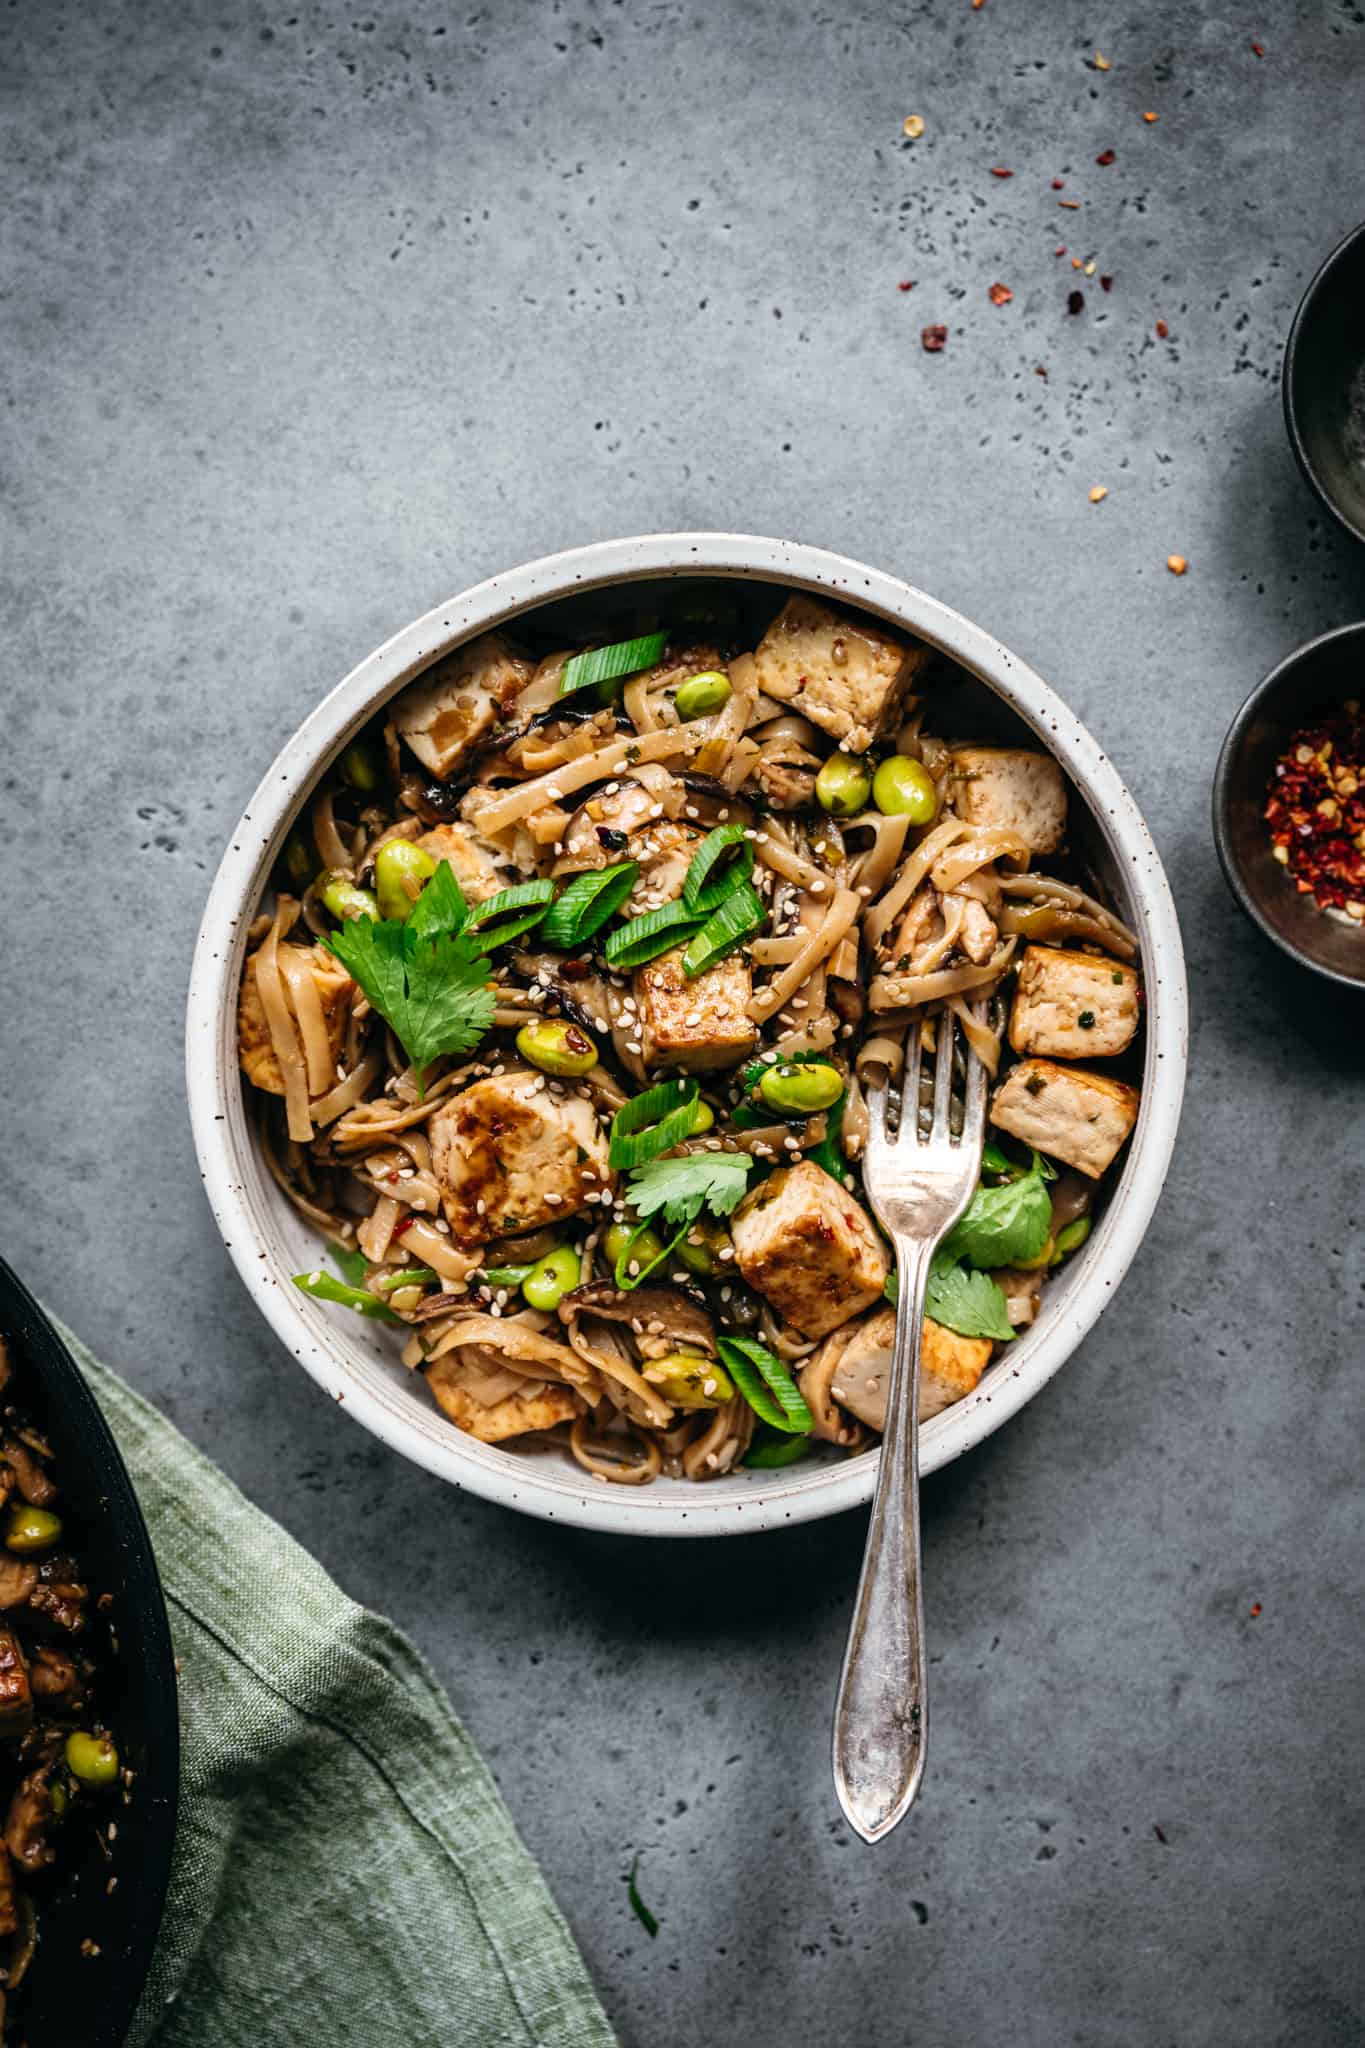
913, 126
1255, 1607
1071, 205
1106, 283
934, 340
1098, 494
1075, 302
1316, 812
907, 284
1058, 184
1162, 330
1177, 564
1257, 50
1000, 295
1101, 63
1151, 117
999, 171
1060, 249
1106, 157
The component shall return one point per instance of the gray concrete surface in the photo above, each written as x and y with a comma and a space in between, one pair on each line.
314, 314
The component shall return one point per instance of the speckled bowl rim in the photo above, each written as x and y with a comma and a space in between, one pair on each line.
351, 1364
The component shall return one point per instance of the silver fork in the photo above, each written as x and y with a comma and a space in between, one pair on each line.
918, 1182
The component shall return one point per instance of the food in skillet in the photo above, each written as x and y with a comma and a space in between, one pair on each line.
560, 1023
58, 1765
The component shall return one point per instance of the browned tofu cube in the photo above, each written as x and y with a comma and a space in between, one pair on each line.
16, 1694
459, 701
254, 1045
806, 1244
1013, 790
1070, 1113
510, 1155
949, 1367
1070, 1005
696, 1025
535, 1404
480, 868
848, 677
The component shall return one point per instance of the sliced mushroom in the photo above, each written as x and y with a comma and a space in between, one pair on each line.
859, 1377
1072, 1195
18, 1577
30, 1811
16, 1688
34, 1484
671, 1312
1023, 1294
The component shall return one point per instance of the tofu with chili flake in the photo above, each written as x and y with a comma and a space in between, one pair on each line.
698, 1025
845, 676
1070, 1005
1072, 1114
1011, 789
459, 701
510, 1156
803, 1242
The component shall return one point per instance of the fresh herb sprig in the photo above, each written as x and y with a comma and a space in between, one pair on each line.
683, 1187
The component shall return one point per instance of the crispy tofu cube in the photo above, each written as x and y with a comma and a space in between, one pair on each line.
1068, 1112
456, 703
696, 1025
806, 1244
1011, 788
1071, 1005
254, 1046
474, 862
539, 1404
860, 1379
510, 1156
846, 676
949, 1367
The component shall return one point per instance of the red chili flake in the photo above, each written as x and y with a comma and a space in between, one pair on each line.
977, 6
1315, 808
1162, 330
1058, 184
1060, 249
1075, 302
1255, 1607
406, 1223
1001, 295
1106, 157
934, 340
1106, 283
1071, 205
999, 171
907, 284
1257, 50
1151, 117
1040, 371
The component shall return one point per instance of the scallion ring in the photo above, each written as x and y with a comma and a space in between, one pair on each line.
587, 903
741, 914
644, 938
653, 1123
771, 1452
508, 914
707, 884
604, 664
766, 1385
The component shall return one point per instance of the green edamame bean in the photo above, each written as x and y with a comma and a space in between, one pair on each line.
647, 1247
343, 899
903, 787
843, 785
689, 1379
702, 694
401, 871
31, 1529
360, 767
1037, 1264
299, 860
557, 1047
1070, 1239
801, 1090
91, 1758
552, 1277
700, 1250
703, 1116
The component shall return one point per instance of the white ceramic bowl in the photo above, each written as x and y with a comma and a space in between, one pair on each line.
355, 1361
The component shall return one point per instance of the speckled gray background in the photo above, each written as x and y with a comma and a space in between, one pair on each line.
312, 316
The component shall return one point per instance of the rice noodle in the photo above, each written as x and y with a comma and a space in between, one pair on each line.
977, 852
610, 1457
870, 869
730, 721
818, 947
270, 987
880, 915
722, 1443
912, 991
508, 806
333, 851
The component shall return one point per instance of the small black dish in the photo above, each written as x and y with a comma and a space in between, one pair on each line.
1324, 383
73, 1994
1310, 683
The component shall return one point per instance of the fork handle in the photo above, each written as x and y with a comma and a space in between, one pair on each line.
880, 1724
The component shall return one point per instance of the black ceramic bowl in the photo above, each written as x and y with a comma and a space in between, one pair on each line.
69, 1997
1324, 383
1308, 684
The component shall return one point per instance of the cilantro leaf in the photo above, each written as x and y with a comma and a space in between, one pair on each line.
424, 977
971, 1303
683, 1187
1004, 1224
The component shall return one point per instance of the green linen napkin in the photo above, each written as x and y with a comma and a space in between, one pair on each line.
345, 1871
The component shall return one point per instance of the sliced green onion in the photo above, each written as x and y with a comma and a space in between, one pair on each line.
706, 886
351, 1264
622, 1274
505, 1276
638, 1906
587, 903
653, 1123
766, 1385
409, 1276
829, 1153
510, 913
323, 1287
741, 914
773, 1451
604, 664
644, 938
